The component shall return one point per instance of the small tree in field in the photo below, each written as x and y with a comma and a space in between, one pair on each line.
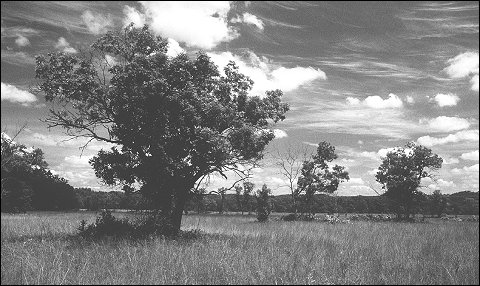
438, 203
198, 196
238, 197
401, 172
247, 195
263, 203
317, 176
174, 120
290, 163
222, 193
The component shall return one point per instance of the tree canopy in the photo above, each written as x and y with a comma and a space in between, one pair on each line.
173, 120
401, 173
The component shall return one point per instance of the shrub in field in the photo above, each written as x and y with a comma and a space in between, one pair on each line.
290, 217
106, 225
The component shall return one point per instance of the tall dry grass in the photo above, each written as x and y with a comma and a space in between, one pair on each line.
37, 249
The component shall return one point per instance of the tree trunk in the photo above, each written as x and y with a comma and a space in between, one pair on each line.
177, 212
294, 205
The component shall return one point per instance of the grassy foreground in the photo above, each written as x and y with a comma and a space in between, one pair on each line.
37, 249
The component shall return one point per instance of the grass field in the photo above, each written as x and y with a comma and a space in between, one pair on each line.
38, 248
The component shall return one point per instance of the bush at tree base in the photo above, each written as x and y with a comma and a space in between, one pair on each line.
147, 225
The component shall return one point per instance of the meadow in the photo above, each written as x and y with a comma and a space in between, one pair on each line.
41, 248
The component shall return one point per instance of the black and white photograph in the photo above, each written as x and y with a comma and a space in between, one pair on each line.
240, 142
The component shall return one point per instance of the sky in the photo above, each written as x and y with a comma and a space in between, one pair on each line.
364, 76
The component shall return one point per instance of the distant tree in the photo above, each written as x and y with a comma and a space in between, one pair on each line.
173, 120
290, 162
198, 196
221, 192
401, 172
317, 176
438, 203
247, 195
238, 197
264, 206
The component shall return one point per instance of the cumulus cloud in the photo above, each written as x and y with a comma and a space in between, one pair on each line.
197, 24
446, 99
250, 19
383, 152
449, 160
470, 156
440, 183
22, 41
64, 46
446, 124
174, 48
464, 135
13, 94
410, 99
355, 181
96, 22
464, 65
78, 161
279, 133
474, 82
466, 169
377, 102
265, 75
132, 15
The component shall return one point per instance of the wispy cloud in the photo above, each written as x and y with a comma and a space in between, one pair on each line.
96, 22
17, 58
249, 19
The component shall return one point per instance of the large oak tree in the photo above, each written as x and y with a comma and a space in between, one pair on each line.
173, 120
